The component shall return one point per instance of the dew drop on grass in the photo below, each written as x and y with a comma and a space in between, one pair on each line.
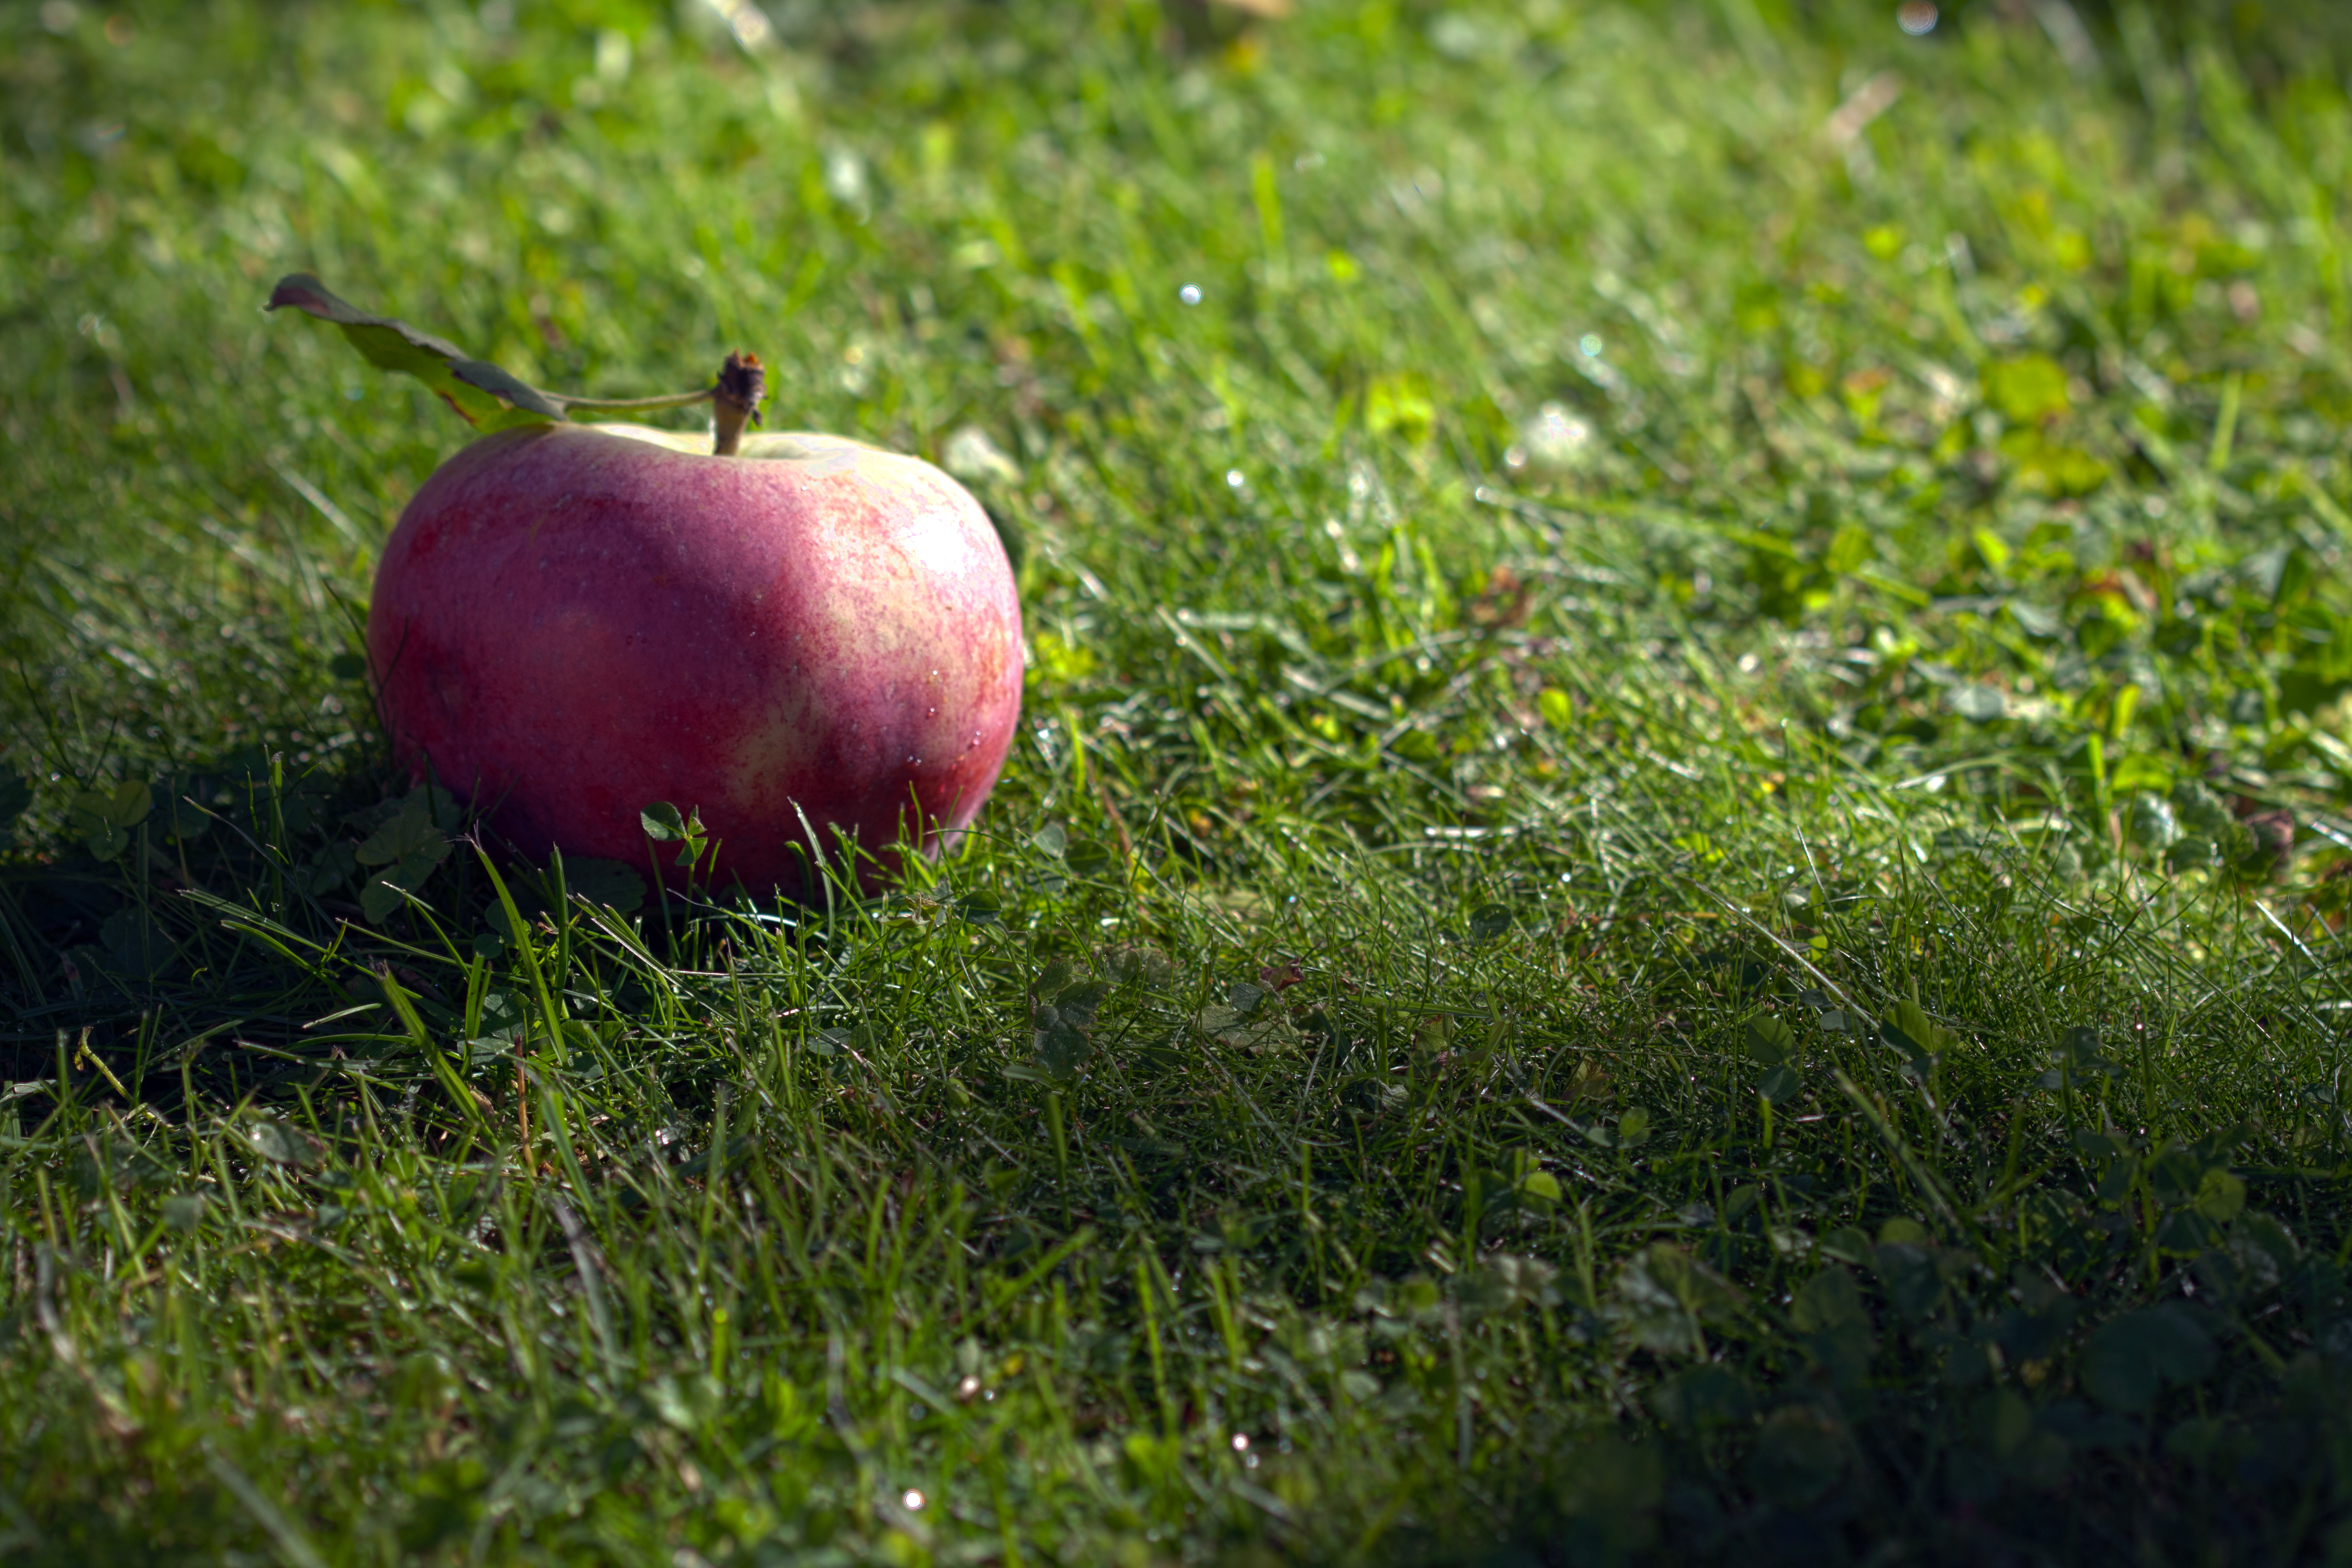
1189, 293
1556, 438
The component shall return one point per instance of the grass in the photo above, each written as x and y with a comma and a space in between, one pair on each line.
1685, 764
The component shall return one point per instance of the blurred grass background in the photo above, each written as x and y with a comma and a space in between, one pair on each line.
1672, 886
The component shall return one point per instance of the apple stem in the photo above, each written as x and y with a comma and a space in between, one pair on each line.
667, 400
735, 402
734, 398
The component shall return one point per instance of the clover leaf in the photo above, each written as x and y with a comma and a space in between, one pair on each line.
408, 846
2134, 1356
104, 818
665, 824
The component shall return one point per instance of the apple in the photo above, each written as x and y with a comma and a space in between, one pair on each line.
807, 637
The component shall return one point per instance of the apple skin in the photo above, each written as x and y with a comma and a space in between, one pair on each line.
573, 622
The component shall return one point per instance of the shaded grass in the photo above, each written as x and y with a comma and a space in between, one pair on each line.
1638, 911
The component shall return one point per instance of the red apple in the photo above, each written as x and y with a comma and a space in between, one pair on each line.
573, 622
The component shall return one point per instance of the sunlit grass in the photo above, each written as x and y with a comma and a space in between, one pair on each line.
1669, 886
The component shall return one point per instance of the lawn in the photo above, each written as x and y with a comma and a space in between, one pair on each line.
1670, 889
